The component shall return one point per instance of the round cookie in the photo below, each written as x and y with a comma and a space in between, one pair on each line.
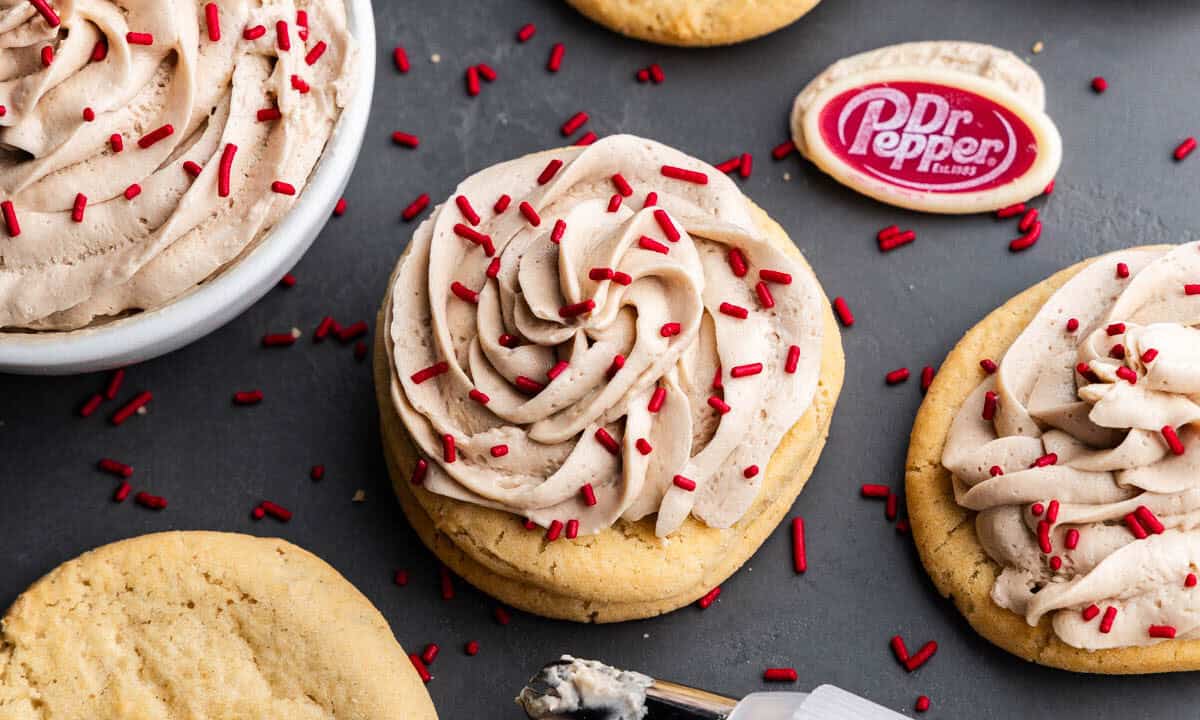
625, 572
202, 624
945, 533
694, 23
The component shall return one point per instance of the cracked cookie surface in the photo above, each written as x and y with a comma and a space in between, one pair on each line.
201, 625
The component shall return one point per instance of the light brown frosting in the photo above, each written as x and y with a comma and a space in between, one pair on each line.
551, 435
141, 253
1103, 418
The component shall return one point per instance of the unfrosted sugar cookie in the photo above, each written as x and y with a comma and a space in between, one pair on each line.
1056, 499
202, 624
603, 377
944, 127
694, 22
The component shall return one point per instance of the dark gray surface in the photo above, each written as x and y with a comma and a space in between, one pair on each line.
1118, 187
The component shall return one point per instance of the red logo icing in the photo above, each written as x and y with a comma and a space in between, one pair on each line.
928, 137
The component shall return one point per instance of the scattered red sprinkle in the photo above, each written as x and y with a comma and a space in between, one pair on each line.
127, 411
212, 19
122, 492
622, 278
141, 38
526, 32
419, 471
339, 209
926, 377
472, 79
554, 531
899, 649
643, 446
989, 366
282, 38
317, 472
1072, 324
152, 502
422, 671
614, 202
892, 506
873, 490
1010, 211
247, 397
530, 214
843, 311
99, 50
739, 371
315, 53
1185, 148
556, 57
745, 165
577, 309
1162, 631
501, 204
430, 372
150, 138
1172, 439
254, 33
780, 675
79, 206
226, 169
709, 598
1028, 219
783, 149
572, 529
400, 58
430, 653
684, 483
415, 207
114, 467
472, 648
46, 12
670, 329
921, 656
1190, 580
1072, 539
895, 240
278, 339
622, 185
1043, 537
1148, 520
729, 165
1052, 509
667, 225
896, 376
449, 451
446, 581
493, 269
573, 123
90, 405
401, 138
47, 56
793, 359
922, 703
657, 399
299, 84
765, 298
464, 293
718, 404
1135, 527
732, 310
283, 188
656, 73
678, 173
652, 245
737, 262
1090, 612
1106, 622
989, 405
750, 471
1049, 189
1027, 240
352, 332
651, 199
192, 168
133, 191
1099, 84
589, 494
1191, 289
116, 142
1127, 374
479, 396
1045, 461
559, 368
587, 139
278, 512
605, 439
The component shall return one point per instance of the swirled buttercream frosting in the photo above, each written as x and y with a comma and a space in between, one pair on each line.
597, 333
1082, 458
145, 144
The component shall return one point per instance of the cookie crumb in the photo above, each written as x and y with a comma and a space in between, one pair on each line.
787, 177
360, 495
435, 58
1038, 47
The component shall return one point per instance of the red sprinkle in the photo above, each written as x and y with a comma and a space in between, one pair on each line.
780, 675
729, 165
472, 80
1045, 460
99, 50
47, 12
921, 656
605, 439
656, 73
226, 169
278, 512
152, 502
398, 137
765, 299
622, 185
526, 32
646, 243
528, 385
47, 56
922, 703
896, 376
1072, 539
78, 208
684, 483
127, 411
430, 653
499, 450
589, 494
449, 452
1172, 439
1072, 324
1099, 84
299, 84
419, 471
493, 268
212, 18
1162, 631
1122, 270
133, 191
530, 214
472, 648
278, 339
988, 365
122, 492
1090, 612
156, 135
1135, 527
750, 471
926, 377
718, 404
898, 240
139, 38
573, 123
192, 168
317, 472
1052, 510
113, 467
91, 405
843, 311
553, 532
572, 529
989, 405
577, 309
339, 209
1043, 536
1190, 580
873, 490
479, 396
732, 310
746, 165
282, 38
1106, 622
315, 53
737, 262
400, 58
247, 397
587, 138
799, 552
614, 203
283, 188
745, 370
1010, 211
559, 368
1148, 520
621, 278
793, 359
422, 671
1185, 148
416, 207
892, 506
1049, 189
657, 399
549, 171
671, 329
709, 598
1191, 289
1148, 356
556, 57
1027, 240
678, 173
1127, 374
783, 149
254, 33
665, 223
116, 142
651, 199
430, 372
899, 649
1029, 218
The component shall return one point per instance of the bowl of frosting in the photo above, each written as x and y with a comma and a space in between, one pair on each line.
163, 164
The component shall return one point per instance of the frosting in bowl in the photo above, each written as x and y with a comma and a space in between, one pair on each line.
111, 155
589, 334
1081, 456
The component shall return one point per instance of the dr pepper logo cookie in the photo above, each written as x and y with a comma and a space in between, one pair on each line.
939, 127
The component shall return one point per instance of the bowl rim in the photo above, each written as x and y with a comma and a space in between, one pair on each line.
219, 299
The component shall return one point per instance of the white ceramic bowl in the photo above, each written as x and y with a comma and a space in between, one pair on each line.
218, 300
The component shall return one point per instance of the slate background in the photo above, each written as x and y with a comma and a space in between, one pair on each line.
1118, 187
